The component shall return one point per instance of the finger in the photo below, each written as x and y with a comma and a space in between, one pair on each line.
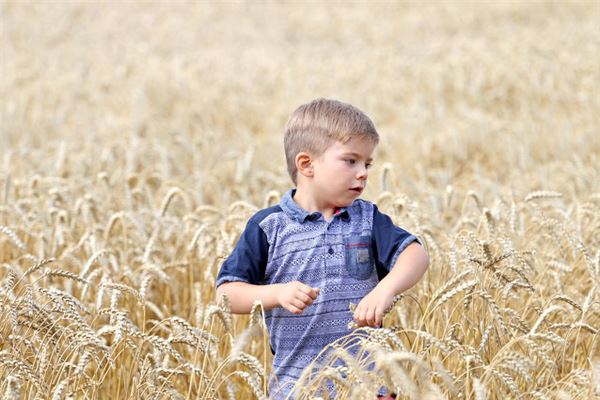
298, 304
356, 314
313, 293
378, 318
307, 290
361, 321
370, 316
293, 309
304, 298
360, 314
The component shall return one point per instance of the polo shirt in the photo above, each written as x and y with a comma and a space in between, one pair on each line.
345, 257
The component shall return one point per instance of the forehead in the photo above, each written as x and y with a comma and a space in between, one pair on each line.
360, 146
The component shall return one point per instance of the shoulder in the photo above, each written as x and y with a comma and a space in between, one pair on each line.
370, 215
361, 207
266, 220
264, 214
361, 216
369, 208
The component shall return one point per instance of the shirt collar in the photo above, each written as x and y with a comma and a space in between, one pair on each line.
297, 213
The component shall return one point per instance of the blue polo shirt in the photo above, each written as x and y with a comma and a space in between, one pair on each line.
344, 257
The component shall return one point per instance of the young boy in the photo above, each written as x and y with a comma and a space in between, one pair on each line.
321, 248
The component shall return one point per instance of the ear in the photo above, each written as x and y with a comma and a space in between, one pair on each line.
304, 164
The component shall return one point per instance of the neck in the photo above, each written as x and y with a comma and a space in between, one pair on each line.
306, 199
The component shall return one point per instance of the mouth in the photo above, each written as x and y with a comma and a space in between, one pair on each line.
357, 189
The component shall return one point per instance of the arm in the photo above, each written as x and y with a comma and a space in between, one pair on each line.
242, 272
408, 269
293, 296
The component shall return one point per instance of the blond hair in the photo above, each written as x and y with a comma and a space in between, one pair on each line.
314, 126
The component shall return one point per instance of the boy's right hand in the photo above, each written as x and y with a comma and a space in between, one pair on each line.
296, 296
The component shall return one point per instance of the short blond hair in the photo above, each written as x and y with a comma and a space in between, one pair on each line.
314, 126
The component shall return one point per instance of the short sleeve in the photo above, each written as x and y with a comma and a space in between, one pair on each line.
388, 241
247, 262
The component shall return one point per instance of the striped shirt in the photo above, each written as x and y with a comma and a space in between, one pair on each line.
344, 257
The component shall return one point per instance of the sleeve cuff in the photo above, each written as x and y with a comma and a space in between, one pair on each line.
403, 245
230, 278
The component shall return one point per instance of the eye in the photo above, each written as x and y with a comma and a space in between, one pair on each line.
368, 165
350, 161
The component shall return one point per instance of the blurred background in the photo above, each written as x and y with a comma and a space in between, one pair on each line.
481, 95
136, 138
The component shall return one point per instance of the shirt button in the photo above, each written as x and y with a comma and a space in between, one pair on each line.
330, 251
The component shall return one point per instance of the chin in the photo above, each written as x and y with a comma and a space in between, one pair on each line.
346, 203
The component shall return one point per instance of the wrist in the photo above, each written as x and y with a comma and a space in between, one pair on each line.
386, 290
276, 289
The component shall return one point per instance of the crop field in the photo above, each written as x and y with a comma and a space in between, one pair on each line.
137, 138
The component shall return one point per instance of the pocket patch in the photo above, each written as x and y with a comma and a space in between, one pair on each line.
358, 256
362, 255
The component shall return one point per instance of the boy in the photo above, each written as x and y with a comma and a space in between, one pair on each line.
321, 248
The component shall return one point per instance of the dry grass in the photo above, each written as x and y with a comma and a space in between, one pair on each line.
136, 140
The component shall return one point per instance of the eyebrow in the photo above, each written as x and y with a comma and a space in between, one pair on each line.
357, 156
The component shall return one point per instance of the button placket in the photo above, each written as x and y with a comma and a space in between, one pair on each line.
325, 238
330, 250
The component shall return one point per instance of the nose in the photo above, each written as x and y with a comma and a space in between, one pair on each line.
362, 173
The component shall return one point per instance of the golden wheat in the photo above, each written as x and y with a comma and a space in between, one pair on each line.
133, 151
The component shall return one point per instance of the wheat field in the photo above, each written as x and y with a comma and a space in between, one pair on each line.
137, 138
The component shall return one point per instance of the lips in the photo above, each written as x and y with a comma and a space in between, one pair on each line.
357, 189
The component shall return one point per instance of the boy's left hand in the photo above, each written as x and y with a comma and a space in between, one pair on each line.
372, 307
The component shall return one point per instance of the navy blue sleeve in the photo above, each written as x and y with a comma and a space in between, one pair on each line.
388, 241
248, 260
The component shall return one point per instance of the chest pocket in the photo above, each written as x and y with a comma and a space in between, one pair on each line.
359, 257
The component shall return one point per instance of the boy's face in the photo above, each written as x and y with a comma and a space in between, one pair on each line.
340, 173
